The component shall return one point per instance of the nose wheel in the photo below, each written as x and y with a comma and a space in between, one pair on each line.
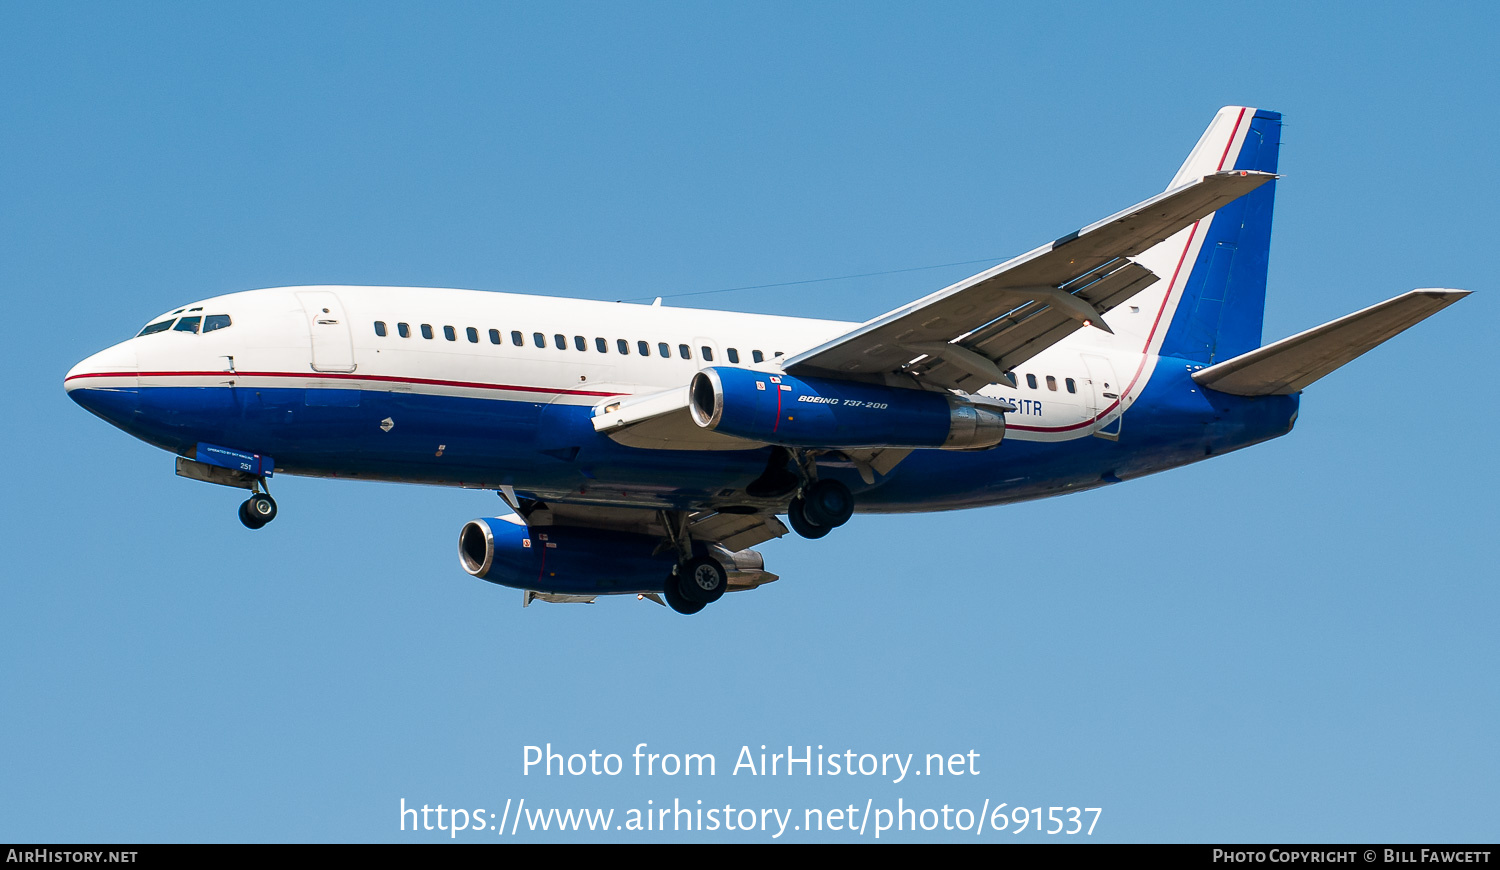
257, 510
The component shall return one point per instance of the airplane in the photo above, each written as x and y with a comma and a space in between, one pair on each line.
646, 449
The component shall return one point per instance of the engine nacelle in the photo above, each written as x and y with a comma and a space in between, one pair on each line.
564, 559
828, 412
573, 560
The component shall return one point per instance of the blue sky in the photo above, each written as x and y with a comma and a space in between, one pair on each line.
1293, 642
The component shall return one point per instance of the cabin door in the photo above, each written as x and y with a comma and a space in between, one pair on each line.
332, 343
1103, 397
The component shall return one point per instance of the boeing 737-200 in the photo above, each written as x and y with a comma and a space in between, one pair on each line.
644, 449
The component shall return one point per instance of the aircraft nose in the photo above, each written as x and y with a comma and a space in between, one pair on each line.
106, 382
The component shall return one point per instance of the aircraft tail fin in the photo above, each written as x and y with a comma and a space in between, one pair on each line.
1219, 265
1287, 366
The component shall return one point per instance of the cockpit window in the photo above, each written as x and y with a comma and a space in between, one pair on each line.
215, 321
158, 326
187, 324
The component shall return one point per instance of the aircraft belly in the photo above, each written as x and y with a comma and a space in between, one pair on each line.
547, 446
548, 449
1170, 425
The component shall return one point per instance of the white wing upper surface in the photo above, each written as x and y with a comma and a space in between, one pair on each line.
967, 335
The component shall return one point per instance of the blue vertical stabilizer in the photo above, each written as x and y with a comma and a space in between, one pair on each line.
1224, 297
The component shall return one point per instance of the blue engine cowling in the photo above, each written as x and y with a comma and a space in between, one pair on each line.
828, 412
563, 559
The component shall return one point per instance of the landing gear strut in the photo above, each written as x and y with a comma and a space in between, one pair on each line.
258, 509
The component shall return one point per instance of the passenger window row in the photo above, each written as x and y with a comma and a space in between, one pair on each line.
642, 348
1071, 385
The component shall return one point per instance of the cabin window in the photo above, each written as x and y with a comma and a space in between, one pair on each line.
1072, 387
561, 341
159, 326
643, 347
708, 353
757, 356
219, 321
1052, 383
1031, 381
516, 339
403, 330
734, 356
538, 339
601, 345
427, 330
450, 334
187, 324
684, 351
623, 346
580, 342
664, 349
473, 334
494, 336
379, 328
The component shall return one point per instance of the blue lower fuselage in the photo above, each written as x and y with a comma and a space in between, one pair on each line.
551, 450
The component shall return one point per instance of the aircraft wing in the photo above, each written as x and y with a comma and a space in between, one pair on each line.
660, 421
970, 334
735, 531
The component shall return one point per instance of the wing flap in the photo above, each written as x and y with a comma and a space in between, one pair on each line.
1291, 364
1037, 325
736, 531
1030, 280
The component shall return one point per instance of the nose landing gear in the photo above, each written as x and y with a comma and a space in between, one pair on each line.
258, 509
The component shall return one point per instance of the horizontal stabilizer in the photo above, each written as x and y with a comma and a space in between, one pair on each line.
1289, 365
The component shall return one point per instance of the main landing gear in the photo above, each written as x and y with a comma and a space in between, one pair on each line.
821, 507
695, 584
258, 509
696, 581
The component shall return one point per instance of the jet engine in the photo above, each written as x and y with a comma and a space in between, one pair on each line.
575, 560
828, 412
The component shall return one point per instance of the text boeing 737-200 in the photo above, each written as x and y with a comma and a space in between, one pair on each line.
646, 449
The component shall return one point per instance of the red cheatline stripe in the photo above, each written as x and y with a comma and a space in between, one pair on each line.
321, 376
1154, 324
